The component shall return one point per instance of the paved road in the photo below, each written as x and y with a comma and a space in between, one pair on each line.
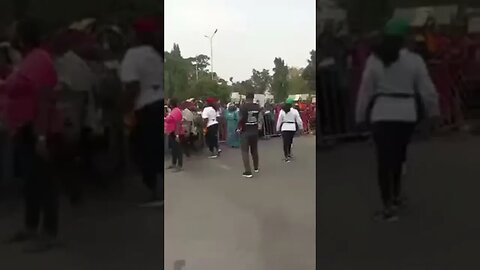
215, 219
439, 231
108, 232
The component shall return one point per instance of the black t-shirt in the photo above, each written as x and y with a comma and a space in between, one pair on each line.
250, 116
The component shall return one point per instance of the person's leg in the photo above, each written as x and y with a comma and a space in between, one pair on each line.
174, 148
291, 135
253, 142
210, 139
381, 139
245, 155
404, 132
285, 144
215, 138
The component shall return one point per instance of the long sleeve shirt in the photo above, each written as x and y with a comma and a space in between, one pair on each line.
173, 122
407, 76
289, 121
30, 96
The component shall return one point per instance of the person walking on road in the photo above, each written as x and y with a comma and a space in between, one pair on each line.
248, 127
289, 122
174, 131
232, 116
142, 75
396, 92
210, 118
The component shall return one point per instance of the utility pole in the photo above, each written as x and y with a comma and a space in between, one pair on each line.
211, 50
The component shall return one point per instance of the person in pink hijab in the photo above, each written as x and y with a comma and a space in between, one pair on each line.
31, 118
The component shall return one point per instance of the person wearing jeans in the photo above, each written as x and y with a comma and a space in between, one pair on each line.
248, 127
174, 131
288, 122
396, 92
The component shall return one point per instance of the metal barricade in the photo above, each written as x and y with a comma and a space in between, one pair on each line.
269, 128
336, 99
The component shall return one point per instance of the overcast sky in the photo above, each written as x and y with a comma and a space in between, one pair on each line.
251, 33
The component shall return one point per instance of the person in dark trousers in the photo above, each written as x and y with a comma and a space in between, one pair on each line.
174, 131
248, 126
30, 115
288, 123
142, 75
210, 117
396, 92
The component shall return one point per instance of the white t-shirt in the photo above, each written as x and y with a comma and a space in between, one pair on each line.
145, 65
210, 114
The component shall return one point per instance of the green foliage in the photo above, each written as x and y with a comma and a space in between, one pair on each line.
206, 87
309, 73
261, 81
280, 80
296, 83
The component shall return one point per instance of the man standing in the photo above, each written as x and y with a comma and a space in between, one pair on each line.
248, 127
210, 117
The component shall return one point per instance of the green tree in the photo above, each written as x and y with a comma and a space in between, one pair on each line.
178, 72
309, 73
243, 87
280, 80
206, 87
296, 83
261, 81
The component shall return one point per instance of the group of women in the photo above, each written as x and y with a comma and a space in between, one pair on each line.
31, 112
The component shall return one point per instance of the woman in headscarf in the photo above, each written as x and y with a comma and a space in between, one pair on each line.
396, 92
289, 122
232, 117
142, 75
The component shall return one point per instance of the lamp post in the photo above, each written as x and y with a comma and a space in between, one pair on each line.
211, 49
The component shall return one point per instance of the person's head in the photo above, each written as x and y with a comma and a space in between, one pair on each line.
211, 101
148, 32
393, 41
27, 35
249, 97
173, 103
232, 107
288, 104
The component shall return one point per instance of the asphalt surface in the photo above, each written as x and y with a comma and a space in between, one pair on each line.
440, 228
215, 219
107, 232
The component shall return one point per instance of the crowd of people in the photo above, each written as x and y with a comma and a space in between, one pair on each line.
64, 97
193, 123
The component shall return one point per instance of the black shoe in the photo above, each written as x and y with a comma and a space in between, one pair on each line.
256, 170
386, 216
287, 160
399, 204
247, 175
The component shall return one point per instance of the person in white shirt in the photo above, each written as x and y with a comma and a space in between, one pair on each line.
396, 92
289, 122
210, 116
142, 74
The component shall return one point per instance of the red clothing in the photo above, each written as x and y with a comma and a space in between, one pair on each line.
173, 122
28, 87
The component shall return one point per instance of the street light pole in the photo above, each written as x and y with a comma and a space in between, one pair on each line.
211, 49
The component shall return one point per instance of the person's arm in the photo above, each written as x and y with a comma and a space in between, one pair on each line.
280, 120
299, 120
366, 92
131, 80
243, 119
427, 90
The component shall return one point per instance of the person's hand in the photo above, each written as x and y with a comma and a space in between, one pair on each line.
177, 139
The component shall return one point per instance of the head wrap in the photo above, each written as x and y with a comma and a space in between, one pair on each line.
147, 25
396, 27
289, 101
211, 100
